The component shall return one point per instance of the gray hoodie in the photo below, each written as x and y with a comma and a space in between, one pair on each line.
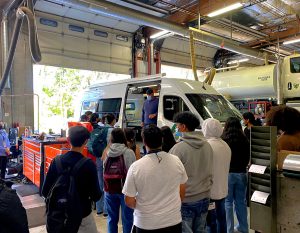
117, 149
196, 155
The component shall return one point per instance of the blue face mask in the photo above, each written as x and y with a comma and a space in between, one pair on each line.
178, 133
149, 97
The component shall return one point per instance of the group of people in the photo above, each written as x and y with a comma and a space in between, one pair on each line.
176, 187
192, 185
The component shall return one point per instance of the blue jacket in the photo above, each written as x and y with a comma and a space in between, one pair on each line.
4, 142
150, 107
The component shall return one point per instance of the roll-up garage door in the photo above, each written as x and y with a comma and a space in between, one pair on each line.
74, 44
176, 52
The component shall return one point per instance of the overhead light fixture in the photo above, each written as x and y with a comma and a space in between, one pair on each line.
238, 61
225, 9
291, 41
159, 34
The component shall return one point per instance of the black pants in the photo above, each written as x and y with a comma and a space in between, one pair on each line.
172, 229
3, 162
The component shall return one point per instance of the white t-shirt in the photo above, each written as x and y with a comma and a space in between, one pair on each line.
155, 185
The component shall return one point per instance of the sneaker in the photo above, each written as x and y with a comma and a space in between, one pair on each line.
105, 215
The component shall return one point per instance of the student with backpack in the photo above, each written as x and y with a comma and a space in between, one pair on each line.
117, 162
69, 188
96, 146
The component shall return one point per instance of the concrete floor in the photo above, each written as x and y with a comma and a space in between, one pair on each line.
101, 225
100, 221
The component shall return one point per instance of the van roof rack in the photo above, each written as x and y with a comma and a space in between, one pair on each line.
154, 76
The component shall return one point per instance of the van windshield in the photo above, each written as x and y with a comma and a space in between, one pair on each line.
213, 106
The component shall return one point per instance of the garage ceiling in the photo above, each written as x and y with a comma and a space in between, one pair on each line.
258, 24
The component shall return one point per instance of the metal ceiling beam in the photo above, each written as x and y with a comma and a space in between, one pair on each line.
273, 37
149, 7
129, 15
206, 7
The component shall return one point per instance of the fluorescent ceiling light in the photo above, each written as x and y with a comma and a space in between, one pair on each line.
292, 41
238, 61
225, 9
159, 34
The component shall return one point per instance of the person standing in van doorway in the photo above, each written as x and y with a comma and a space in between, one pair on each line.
150, 109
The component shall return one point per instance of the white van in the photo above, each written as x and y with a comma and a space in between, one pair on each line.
125, 100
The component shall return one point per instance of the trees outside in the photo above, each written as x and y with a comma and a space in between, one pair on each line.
59, 90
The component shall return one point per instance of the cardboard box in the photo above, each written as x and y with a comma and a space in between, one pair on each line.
281, 157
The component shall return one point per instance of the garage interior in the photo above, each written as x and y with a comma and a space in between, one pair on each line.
131, 39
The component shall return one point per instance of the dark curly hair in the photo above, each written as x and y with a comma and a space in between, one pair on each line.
187, 118
233, 130
285, 118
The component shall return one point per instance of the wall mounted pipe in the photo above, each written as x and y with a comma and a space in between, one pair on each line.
4, 44
33, 43
129, 15
4, 32
151, 44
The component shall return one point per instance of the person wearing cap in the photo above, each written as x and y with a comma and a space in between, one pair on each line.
150, 108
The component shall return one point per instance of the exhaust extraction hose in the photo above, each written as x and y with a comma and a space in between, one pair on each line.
33, 42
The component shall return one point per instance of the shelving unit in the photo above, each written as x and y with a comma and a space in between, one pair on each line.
263, 179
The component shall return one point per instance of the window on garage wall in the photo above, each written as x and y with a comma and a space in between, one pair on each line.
179, 72
59, 91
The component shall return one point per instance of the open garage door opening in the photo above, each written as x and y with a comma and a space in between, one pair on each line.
59, 90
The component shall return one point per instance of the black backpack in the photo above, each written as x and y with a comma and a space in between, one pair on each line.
13, 218
97, 142
63, 206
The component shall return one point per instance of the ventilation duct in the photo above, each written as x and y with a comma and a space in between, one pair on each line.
129, 15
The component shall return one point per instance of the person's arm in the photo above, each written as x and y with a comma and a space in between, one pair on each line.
155, 107
130, 202
7, 142
130, 189
183, 180
137, 152
96, 192
143, 114
104, 154
50, 179
182, 191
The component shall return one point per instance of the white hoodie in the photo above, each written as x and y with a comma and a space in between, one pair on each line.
212, 130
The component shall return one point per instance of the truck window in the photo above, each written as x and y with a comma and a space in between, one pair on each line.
173, 105
213, 106
88, 106
112, 105
295, 64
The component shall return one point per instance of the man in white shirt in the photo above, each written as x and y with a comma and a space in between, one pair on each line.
155, 186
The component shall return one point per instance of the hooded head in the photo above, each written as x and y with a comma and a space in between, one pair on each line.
212, 128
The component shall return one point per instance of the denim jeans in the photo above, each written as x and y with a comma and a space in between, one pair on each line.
100, 205
237, 188
216, 218
194, 216
113, 204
